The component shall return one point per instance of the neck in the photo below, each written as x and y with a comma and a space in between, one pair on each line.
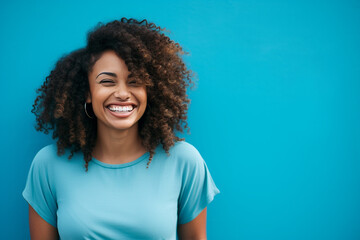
118, 146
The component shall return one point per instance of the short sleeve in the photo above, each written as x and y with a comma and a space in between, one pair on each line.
38, 192
198, 188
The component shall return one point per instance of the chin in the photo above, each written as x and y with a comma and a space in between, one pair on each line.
124, 126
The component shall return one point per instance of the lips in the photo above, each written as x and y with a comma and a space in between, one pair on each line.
117, 108
121, 109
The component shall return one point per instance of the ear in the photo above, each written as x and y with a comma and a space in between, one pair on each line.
88, 99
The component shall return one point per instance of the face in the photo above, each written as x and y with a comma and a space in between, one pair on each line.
118, 102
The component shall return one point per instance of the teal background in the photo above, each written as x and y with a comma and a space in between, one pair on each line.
275, 113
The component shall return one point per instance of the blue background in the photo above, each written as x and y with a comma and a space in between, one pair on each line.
275, 114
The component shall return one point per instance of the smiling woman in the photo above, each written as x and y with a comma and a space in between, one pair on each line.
117, 100
111, 106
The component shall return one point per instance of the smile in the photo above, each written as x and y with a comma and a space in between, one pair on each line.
121, 109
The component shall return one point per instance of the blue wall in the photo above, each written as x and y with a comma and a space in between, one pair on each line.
275, 115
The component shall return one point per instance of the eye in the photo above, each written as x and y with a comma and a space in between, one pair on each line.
133, 82
107, 82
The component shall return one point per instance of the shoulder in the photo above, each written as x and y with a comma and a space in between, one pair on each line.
48, 162
48, 156
186, 154
45, 154
47, 151
182, 148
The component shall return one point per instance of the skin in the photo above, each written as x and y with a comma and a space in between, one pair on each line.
118, 140
195, 229
39, 228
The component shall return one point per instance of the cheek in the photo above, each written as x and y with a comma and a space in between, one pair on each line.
99, 95
143, 96
145, 99
98, 98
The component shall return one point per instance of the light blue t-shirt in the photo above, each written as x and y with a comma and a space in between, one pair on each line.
122, 201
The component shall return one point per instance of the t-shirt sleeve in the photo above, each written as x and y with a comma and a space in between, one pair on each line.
198, 188
38, 191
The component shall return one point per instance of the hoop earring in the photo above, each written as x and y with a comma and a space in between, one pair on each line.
86, 111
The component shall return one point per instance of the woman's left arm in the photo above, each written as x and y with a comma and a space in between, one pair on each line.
195, 229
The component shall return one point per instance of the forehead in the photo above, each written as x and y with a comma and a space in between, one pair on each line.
109, 61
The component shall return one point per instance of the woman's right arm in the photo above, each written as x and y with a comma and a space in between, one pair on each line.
39, 228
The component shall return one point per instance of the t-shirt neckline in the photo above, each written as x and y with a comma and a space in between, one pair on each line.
121, 165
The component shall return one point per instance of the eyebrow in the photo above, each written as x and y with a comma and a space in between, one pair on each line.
107, 73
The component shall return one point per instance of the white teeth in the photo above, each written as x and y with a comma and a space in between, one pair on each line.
114, 108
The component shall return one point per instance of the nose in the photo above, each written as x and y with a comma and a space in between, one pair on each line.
122, 92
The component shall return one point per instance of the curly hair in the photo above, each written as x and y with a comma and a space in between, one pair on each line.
151, 57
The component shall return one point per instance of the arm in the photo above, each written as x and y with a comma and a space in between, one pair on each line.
195, 229
39, 228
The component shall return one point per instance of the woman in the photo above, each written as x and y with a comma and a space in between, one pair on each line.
111, 106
